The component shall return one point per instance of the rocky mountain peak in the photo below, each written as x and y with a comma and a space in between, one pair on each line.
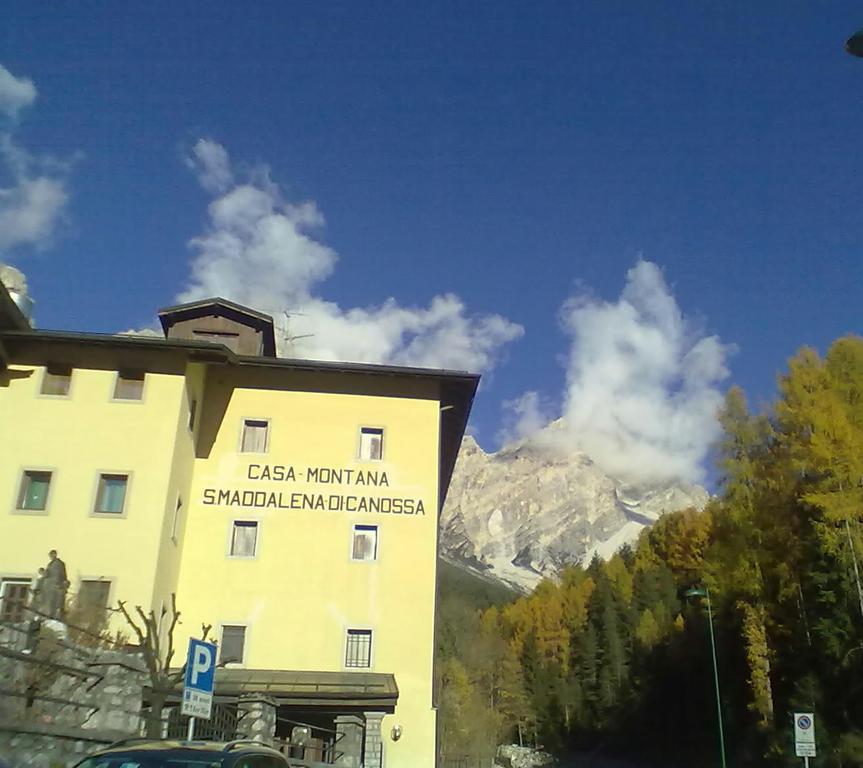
536, 505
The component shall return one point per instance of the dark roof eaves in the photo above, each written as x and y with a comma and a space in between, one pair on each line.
216, 300
346, 367
261, 362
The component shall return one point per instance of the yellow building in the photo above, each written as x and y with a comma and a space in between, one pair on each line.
291, 504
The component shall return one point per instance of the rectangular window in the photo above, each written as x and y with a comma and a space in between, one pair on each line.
93, 596
358, 651
111, 495
175, 523
244, 538
371, 444
14, 594
233, 646
365, 544
33, 494
193, 411
57, 380
129, 386
255, 434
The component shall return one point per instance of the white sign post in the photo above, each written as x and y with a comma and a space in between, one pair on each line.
199, 682
804, 736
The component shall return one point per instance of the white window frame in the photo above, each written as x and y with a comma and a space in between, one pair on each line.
233, 522
358, 628
266, 421
360, 433
95, 497
245, 626
17, 491
117, 376
49, 396
365, 526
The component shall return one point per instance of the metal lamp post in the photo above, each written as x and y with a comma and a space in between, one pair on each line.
696, 592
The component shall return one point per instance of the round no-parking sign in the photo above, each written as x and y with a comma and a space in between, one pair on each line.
804, 734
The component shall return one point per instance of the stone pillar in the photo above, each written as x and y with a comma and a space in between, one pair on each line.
373, 755
257, 717
349, 741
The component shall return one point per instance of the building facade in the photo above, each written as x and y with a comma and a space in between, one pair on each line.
291, 505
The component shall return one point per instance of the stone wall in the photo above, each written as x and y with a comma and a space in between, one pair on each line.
36, 745
60, 700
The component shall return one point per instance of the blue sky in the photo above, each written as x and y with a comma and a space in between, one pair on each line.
514, 154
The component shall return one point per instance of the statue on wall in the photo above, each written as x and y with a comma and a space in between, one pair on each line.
53, 586
37, 594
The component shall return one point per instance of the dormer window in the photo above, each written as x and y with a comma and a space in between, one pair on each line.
243, 330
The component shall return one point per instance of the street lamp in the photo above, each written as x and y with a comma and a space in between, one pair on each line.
696, 592
854, 44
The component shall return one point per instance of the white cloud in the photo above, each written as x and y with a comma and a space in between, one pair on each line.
523, 416
15, 93
211, 163
641, 383
32, 205
262, 250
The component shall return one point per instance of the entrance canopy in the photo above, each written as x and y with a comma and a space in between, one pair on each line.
369, 690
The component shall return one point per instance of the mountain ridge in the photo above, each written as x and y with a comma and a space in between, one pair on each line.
524, 512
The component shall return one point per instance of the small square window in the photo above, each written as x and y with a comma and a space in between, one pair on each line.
93, 596
111, 495
244, 538
33, 494
255, 436
129, 385
371, 444
57, 380
233, 646
14, 594
358, 649
365, 543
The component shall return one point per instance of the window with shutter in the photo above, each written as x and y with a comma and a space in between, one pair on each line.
371, 444
14, 594
57, 380
244, 538
365, 542
129, 385
93, 595
255, 436
233, 646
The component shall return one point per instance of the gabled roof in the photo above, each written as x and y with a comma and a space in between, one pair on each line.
217, 301
224, 308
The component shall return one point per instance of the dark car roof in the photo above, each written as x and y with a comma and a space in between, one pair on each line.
145, 747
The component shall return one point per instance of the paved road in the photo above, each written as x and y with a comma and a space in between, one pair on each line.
594, 761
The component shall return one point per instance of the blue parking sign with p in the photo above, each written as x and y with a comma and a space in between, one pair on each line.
200, 679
